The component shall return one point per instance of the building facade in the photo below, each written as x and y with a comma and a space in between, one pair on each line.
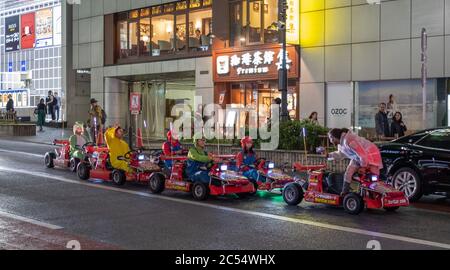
31, 54
346, 57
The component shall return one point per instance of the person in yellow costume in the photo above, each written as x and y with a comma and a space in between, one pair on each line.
117, 148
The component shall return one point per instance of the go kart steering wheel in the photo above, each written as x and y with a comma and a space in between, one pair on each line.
87, 144
128, 154
258, 161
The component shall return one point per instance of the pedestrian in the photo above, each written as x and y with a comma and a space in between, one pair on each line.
313, 118
50, 101
364, 155
398, 127
381, 122
57, 105
10, 104
41, 111
95, 120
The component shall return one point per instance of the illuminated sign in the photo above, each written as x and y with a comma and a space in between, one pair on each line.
293, 22
12, 34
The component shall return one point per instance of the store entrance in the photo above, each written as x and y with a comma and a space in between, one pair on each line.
260, 96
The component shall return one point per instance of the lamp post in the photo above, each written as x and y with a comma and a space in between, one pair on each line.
282, 73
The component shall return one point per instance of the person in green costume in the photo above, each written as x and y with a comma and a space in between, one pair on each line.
77, 140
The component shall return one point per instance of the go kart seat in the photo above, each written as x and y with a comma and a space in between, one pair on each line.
335, 182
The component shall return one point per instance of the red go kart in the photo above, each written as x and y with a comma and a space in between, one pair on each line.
99, 167
223, 181
325, 188
276, 179
61, 156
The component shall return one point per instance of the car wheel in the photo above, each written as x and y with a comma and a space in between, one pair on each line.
83, 171
293, 194
408, 181
200, 191
353, 204
73, 164
119, 177
48, 160
157, 183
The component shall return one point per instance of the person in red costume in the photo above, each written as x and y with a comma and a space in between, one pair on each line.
171, 147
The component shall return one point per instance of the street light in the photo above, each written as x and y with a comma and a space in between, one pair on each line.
282, 73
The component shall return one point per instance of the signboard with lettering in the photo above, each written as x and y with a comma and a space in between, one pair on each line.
44, 28
293, 22
261, 63
27, 32
12, 34
135, 103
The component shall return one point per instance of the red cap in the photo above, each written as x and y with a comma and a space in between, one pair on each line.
246, 140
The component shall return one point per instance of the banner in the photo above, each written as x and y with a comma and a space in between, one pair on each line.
339, 105
27, 31
44, 28
57, 34
293, 22
12, 34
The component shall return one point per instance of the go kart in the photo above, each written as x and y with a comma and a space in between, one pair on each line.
276, 179
323, 187
61, 156
99, 167
223, 181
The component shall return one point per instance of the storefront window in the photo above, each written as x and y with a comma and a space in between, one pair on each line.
133, 40
253, 21
200, 24
123, 37
165, 29
163, 33
145, 45
180, 33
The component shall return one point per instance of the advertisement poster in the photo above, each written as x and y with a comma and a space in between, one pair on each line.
12, 34
57, 34
407, 99
27, 31
44, 28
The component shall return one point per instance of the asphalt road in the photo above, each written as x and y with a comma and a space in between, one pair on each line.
130, 217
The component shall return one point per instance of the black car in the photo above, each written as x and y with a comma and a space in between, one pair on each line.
419, 164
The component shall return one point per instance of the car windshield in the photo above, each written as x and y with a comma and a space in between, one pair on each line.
437, 139
413, 138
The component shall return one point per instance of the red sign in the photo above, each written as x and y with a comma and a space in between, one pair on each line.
27, 31
135, 103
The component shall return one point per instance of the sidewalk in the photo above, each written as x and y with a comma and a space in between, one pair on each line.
45, 137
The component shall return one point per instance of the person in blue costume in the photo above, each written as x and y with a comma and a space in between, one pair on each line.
245, 161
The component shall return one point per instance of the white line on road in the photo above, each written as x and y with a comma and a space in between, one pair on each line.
235, 210
29, 220
22, 153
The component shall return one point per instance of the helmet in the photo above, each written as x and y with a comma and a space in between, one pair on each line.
246, 140
78, 125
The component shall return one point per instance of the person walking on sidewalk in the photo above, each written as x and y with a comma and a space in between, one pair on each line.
57, 105
50, 101
95, 120
41, 111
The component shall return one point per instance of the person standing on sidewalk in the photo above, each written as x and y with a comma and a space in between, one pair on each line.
95, 120
50, 101
10, 104
41, 111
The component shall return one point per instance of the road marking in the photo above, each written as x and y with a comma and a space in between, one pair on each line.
235, 210
31, 221
22, 153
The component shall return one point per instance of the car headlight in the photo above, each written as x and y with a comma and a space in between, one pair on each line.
271, 165
374, 178
224, 167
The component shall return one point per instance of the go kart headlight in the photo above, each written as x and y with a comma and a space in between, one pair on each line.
224, 167
374, 178
271, 165
141, 157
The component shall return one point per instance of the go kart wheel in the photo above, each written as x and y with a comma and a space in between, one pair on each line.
353, 204
48, 160
83, 171
73, 164
157, 183
391, 209
119, 178
408, 181
293, 194
200, 191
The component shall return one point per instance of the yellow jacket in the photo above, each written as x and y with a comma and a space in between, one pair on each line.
117, 148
